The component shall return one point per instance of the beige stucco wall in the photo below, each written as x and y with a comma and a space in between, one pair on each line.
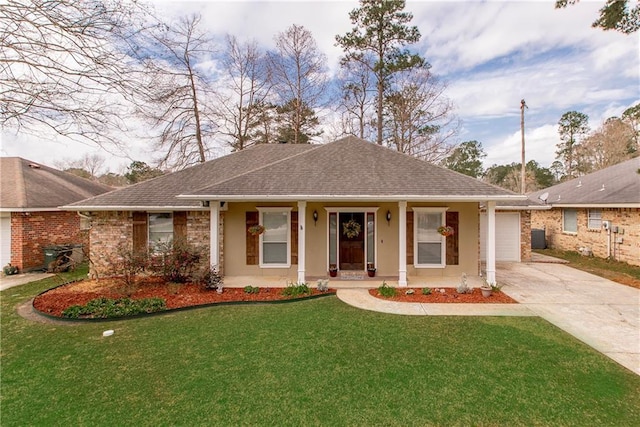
627, 220
316, 238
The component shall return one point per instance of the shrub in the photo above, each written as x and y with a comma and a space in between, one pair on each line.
103, 308
10, 270
296, 289
176, 261
323, 285
128, 265
386, 290
210, 279
426, 291
251, 289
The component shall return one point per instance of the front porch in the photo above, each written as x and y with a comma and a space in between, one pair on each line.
348, 283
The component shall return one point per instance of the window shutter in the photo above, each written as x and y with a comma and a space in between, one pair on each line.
452, 241
294, 237
409, 238
253, 242
179, 226
140, 232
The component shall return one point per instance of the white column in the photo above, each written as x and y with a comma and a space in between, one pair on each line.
214, 220
402, 242
491, 243
302, 216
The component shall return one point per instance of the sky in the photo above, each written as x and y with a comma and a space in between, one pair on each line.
491, 54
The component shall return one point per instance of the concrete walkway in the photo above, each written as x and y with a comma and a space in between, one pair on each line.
601, 313
7, 282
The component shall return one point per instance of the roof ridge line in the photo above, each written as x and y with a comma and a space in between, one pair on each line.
260, 167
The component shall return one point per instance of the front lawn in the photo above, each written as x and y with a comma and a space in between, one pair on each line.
317, 362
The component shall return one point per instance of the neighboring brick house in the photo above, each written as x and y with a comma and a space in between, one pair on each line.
349, 204
598, 213
29, 216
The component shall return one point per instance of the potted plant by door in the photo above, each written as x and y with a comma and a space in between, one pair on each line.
333, 270
371, 270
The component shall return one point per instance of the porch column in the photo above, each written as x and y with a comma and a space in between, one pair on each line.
214, 220
302, 211
402, 242
491, 243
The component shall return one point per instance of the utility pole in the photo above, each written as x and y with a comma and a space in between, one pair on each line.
523, 171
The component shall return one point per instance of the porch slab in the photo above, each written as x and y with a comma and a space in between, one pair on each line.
356, 283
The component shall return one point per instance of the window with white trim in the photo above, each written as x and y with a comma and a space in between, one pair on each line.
275, 242
160, 230
594, 219
569, 220
429, 246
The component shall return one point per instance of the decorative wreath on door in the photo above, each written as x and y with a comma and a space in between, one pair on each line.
351, 228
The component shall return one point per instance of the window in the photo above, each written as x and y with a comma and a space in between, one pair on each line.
160, 229
594, 220
275, 241
429, 244
569, 221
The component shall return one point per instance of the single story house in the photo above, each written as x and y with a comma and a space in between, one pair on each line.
597, 214
29, 216
348, 204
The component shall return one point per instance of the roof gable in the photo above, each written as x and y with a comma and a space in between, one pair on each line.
30, 185
616, 185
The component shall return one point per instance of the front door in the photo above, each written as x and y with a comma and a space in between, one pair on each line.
351, 232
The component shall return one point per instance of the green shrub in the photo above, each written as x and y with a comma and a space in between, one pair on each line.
386, 290
251, 289
296, 289
426, 291
104, 308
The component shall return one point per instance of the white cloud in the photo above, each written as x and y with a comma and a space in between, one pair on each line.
540, 145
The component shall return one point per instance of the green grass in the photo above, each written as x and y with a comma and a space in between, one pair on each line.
317, 362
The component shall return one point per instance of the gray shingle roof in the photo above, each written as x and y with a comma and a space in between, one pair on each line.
346, 168
29, 185
352, 167
616, 185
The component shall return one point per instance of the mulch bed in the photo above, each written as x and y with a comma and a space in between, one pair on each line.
55, 301
449, 295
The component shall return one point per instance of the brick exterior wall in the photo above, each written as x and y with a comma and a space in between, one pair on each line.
525, 236
111, 229
31, 232
626, 219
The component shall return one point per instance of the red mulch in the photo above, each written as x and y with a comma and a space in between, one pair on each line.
55, 301
449, 295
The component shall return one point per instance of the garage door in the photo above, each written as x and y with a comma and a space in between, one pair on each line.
507, 236
5, 239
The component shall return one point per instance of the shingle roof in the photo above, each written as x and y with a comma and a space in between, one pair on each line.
29, 185
162, 191
616, 185
352, 167
347, 168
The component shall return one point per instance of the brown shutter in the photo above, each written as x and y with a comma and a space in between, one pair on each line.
253, 242
179, 226
294, 237
139, 231
409, 238
452, 241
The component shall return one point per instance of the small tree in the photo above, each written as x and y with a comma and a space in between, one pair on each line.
572, 127
466, 158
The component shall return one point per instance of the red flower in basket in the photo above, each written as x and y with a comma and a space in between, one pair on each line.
445, 230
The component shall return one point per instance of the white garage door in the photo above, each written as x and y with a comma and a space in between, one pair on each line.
507, 236
5, 239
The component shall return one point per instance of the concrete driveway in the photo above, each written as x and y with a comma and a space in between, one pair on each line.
597, 311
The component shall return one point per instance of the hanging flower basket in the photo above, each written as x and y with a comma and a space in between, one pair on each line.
445, 230
351, 229
256, 230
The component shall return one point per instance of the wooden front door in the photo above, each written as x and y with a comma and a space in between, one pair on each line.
351, 244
